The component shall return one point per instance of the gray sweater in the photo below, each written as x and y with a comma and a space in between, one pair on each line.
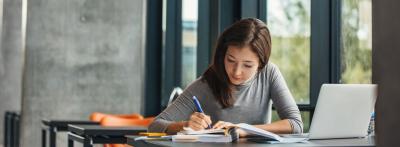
252, 100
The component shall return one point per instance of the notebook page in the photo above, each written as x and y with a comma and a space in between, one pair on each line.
254, 130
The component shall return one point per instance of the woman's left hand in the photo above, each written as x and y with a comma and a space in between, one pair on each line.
222, 124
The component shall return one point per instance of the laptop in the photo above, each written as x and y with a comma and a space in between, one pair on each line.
343, 111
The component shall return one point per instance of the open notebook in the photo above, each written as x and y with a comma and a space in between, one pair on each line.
229, 135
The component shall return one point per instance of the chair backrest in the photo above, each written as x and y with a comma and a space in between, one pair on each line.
97, 116
118, 121
269, 112
174, 94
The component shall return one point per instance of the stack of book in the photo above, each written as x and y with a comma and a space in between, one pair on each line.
230, 135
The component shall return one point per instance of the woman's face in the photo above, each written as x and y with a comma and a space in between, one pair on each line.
241, 64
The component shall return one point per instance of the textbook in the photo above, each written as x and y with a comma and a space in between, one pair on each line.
209, 135
229, 135
202, 138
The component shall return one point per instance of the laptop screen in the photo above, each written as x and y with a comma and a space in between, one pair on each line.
343, 111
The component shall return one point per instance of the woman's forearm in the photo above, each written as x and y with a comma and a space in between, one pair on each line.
278, 127
175, 127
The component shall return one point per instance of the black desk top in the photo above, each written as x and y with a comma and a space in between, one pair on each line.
62, 125
367, 141
65, 123
102, 130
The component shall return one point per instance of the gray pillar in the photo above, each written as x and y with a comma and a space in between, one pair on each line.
386, 70
11, 57
81, 56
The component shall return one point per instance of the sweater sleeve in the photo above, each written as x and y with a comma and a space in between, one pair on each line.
283, 100
179, 110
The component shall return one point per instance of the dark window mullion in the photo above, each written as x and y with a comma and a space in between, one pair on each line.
262, 10
303, 107
153, 58
229, 12
250, 8
254, 9
335, 16
204, 36
325, 45
178, 45
320, 44
172, 58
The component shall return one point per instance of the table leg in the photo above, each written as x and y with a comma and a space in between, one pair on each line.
44, 137
70, 141
87, 142
52, 134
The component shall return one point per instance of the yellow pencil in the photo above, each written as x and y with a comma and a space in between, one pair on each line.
152, 134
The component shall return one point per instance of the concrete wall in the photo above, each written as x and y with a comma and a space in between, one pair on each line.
386, 70
81, 56
11, 57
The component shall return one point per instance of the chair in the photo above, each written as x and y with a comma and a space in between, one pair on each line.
121, 122
129, 119
174, 94
269, 113
97, 116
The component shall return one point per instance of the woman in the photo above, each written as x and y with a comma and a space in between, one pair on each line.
236, 88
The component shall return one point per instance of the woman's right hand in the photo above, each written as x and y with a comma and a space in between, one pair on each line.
199, 121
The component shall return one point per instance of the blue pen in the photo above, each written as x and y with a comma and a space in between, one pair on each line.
198, 106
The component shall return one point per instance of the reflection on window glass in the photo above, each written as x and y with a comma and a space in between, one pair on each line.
189, 41
356, 43
289, 24
164, 22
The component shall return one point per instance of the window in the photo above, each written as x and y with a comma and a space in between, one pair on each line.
289, 24
331, 46
356, 42
189, 41
179, 45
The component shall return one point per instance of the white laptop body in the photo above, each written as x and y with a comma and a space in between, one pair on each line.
343, 111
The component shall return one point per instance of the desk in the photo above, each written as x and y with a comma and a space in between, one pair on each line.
367, 141
11, 128
96, 134
54, 126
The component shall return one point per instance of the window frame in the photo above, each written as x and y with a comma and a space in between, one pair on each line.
153, 53
214, 16
171, 55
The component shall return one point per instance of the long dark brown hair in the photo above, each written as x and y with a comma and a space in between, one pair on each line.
250, 31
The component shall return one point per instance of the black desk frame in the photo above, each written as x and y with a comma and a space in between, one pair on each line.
100, 135
54, 126
11, 129
89, 140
